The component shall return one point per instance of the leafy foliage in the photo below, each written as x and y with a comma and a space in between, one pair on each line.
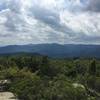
43, 78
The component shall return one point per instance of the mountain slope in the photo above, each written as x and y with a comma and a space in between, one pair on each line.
55, 50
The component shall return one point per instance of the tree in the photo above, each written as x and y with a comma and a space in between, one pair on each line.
47, 69
92, 68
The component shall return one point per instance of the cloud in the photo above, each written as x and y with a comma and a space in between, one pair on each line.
48, 21
94, 5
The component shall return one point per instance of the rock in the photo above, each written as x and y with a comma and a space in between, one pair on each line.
76, 85
7, 96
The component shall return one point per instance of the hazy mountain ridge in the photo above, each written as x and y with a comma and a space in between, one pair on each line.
55, 50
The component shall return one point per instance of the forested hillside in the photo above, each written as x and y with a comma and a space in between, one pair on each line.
54, 50
43, 78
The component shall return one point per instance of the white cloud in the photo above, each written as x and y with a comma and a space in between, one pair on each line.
86, 22
42, 21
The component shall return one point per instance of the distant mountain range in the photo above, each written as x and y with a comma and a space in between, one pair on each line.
54, 50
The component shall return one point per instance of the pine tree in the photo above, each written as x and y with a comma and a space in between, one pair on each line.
92, 68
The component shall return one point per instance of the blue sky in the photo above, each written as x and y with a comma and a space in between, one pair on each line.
49, 21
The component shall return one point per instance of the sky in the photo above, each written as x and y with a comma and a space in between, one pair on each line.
49, 21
